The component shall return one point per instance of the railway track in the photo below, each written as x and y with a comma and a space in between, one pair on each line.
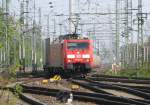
141, 91
96, 85
137, 87
85, 96
123, 80
119, 77
98, 95
133, 91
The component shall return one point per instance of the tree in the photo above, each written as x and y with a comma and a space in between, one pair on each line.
12, 39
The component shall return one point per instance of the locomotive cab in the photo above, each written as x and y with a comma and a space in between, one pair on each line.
78, 54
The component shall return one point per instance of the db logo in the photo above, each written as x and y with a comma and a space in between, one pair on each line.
78, 56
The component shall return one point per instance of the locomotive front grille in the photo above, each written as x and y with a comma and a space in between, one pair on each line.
78, 66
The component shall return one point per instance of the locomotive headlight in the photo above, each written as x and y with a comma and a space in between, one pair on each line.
68, 60
71, 56
85, 56
87, 60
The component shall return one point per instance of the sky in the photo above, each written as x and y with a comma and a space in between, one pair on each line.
63, 4
62, 7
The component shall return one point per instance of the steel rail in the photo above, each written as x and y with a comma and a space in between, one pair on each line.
121, 88
121, 77
136, 92
30, 100
47, 89
120, 80
90, 87
24, 97
145, 89
84, 96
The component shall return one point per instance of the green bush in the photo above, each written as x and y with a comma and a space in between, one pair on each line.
18, 89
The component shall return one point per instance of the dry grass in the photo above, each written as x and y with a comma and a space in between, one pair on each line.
7, 98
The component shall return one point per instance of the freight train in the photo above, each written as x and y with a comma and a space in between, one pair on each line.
70, 53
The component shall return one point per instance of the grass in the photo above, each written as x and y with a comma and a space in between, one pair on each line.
130, 73
7, 98
143, 71
7, 77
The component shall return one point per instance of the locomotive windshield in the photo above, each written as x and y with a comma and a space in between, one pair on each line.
77, 45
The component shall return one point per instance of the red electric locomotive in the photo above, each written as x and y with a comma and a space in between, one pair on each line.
69, 53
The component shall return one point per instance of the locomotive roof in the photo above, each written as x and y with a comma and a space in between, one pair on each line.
71, 36
67, 37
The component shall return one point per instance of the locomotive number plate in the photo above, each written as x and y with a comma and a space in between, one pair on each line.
78, 56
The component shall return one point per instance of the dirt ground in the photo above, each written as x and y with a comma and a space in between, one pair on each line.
7, 98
